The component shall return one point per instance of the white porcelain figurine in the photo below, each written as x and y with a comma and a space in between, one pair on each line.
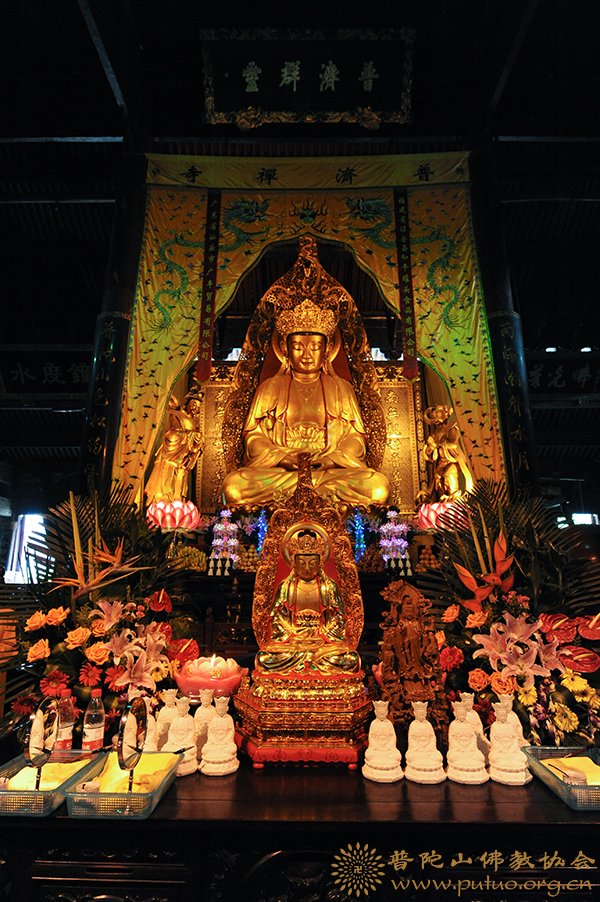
382, 758
424, 762
166, 715
508, 764
466, 763
182, 737
205, 712
219, 755
475, 720
512, 718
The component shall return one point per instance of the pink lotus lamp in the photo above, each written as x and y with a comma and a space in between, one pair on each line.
173, 514
220, 675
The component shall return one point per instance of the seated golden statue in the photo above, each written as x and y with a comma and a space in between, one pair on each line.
306, 406
178, 454
307, 622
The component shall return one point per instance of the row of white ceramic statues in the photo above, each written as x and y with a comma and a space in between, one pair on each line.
206, 738
471, 758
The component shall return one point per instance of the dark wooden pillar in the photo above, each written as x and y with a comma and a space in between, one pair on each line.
504, 324
113, 325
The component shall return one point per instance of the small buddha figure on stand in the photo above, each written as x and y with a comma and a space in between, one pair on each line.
182, 445
382, 758
513, 718
424, 762
205, 712
466, 763
306, 406
307, 622
165, 716
451, 474
475, 720
182, 738
219, 755
508, 764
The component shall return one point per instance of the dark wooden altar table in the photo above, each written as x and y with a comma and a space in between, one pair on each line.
275, 834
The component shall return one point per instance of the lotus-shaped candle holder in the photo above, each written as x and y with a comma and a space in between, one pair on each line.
221, 675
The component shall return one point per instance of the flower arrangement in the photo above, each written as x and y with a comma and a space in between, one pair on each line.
515, 616
112, 625
112, 644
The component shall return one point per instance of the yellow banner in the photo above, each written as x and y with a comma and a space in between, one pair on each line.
450, 329
312, 173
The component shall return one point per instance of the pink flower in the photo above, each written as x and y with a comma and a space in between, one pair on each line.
138, 672
521, 664
494, 645
110, 614
121, 644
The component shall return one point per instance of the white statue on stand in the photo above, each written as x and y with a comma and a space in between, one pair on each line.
475, 720
466, 763
165, 716
508, 764
205, 712
182, 737
219, 755
424, 762
382, 758
512, 718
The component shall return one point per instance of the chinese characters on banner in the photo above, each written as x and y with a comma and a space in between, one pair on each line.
305, 78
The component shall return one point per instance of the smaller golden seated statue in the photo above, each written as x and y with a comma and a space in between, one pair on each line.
178, 454
306, 699
307, 623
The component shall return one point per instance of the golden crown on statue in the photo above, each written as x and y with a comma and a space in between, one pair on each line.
308, 543
306, 317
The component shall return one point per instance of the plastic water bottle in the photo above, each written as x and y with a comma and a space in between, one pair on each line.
93, 722
66, 721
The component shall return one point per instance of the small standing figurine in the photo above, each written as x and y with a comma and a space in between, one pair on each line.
475, 720
205, 712
382, 758
219, 755
165, 716
182, 737
513, 719
508, 764
451, 474
466, 763
182, 445
424, 762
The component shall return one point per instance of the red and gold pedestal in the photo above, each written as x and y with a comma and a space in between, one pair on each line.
303, 718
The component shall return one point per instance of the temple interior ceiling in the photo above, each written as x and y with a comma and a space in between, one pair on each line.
82, 88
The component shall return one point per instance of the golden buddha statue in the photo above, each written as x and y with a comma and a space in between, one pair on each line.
307, 622
305, 407
178, 454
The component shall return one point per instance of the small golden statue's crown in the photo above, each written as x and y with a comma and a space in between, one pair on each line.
306, 317
307, 543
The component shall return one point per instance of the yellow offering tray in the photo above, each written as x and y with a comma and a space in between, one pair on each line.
573, 773
153, 775
17, 783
